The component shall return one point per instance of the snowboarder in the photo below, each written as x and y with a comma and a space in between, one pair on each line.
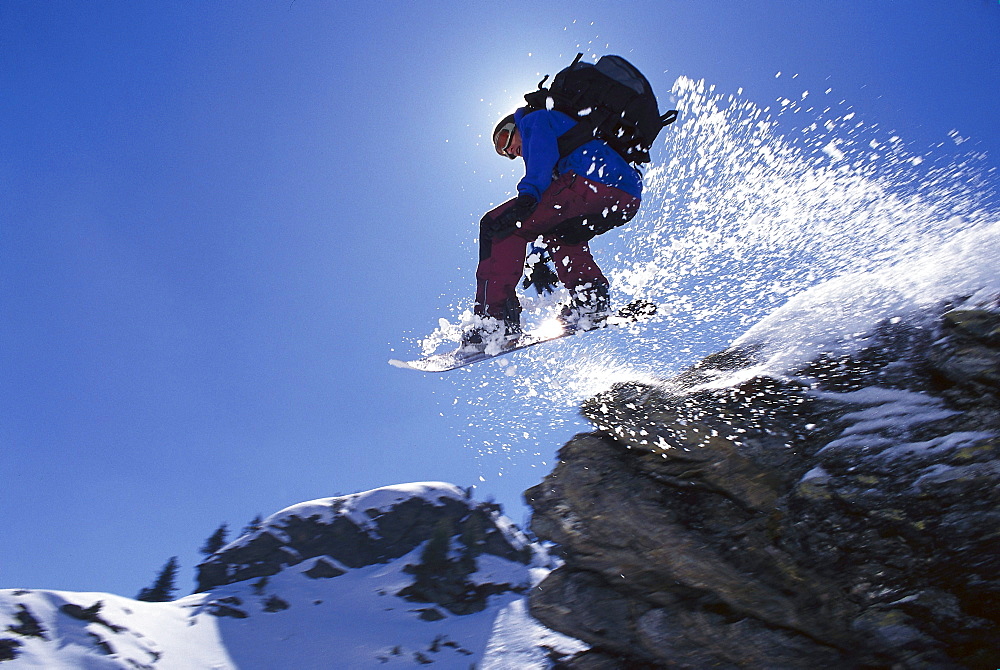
565, 201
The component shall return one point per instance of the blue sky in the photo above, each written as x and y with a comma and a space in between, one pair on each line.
218, 220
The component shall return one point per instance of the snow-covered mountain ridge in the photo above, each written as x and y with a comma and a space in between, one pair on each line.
363, 529
401, 576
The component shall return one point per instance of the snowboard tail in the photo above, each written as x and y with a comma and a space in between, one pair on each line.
635, 311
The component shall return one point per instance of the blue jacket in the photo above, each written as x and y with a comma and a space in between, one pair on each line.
595, 160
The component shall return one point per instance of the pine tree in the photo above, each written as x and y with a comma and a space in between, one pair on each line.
434, 556
472, 538
163, 588
216, 541
253, 526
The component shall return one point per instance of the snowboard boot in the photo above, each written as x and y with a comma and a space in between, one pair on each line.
489, 332
588, 309
493, 333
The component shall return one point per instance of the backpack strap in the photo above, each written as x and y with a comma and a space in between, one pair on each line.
584, 131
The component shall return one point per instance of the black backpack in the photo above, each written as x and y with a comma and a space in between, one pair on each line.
611, 100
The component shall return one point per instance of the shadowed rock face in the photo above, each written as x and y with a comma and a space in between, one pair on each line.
323, 532
844, 517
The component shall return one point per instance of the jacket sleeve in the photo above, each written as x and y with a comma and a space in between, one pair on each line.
540, 150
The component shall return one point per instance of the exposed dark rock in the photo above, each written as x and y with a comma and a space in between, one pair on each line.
443, 574
8, 649
391, 534
968, 358
454, 530
221, 608
846, 516
430, 614
28, 625
101, 644
323, 570
275, 604
261, 584
90, 614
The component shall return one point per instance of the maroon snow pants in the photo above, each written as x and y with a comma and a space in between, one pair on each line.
568, 206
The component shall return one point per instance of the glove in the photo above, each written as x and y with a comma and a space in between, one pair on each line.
510, 219
524, 205
539, 274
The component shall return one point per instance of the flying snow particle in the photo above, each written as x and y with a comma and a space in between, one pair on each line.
832, 151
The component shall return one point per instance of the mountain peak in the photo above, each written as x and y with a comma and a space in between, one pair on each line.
361, 529
401, 576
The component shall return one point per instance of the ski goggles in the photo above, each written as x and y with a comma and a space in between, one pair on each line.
503, 138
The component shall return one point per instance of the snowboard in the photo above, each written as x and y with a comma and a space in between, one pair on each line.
635, 311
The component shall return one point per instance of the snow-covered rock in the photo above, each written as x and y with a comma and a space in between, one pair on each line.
825, 493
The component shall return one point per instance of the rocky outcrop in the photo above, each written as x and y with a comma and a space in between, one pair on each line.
845, 516
375, 527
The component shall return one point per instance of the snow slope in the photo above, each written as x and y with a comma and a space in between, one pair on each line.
290, 619
841, 314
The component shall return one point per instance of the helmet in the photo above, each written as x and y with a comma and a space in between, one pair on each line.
503, 135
